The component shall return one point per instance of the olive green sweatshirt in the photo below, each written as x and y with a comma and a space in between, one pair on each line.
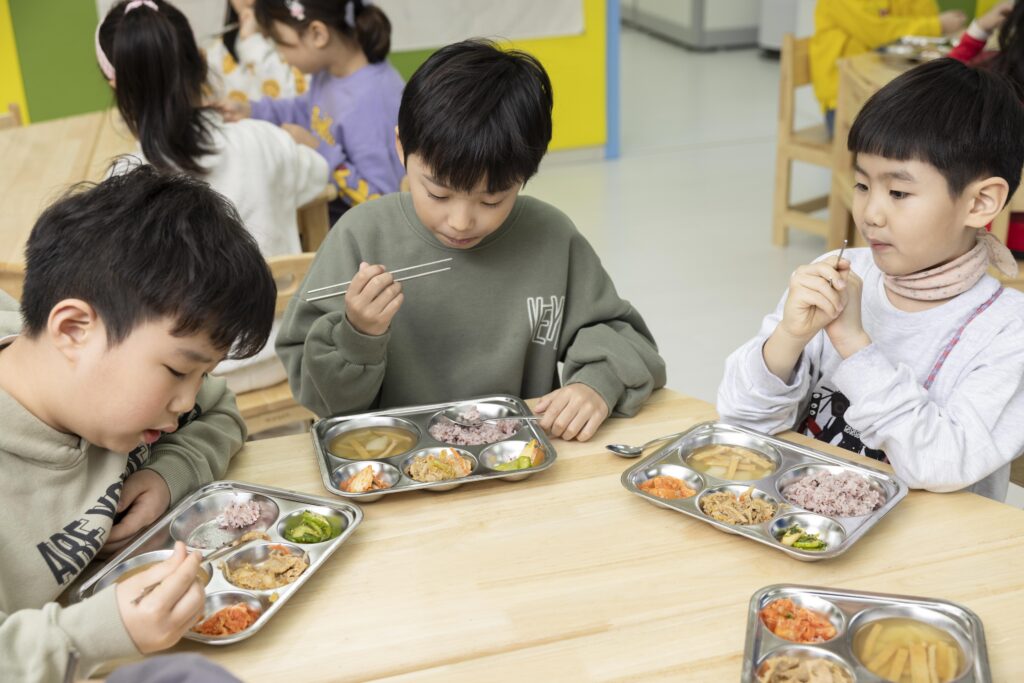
530, 295
59, 496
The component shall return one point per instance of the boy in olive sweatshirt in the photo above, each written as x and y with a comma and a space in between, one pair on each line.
525, 290
134, 290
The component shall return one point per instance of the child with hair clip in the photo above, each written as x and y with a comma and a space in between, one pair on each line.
908, 350
147, 51
244, 64
351, 110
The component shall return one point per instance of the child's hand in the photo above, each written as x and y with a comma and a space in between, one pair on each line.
301, 135
233, 110
952, 21
995, 17
372, 299
847, 332
145, 496
573, 412
813, 301
160, 618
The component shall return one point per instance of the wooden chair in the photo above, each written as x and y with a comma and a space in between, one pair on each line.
808, 145
275, 406
314, 220
1017, 471
12, 277
12, 119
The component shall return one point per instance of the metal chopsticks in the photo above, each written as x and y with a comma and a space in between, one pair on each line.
400, 279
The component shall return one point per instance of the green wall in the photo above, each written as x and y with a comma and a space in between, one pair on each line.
967, 6
57, 56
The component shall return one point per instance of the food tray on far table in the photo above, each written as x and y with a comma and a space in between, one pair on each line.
811, 634
247, 587
808, 504
366, 456
915, 50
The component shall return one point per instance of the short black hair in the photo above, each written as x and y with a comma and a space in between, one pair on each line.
145, 245
968, 123
473, 111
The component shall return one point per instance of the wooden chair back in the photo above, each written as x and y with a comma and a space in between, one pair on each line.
289, 272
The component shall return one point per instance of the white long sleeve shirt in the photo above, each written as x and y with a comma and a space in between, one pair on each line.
266, 175
960, 433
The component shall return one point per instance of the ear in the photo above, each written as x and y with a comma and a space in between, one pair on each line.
319, 34
400, 149
987, 199
72, 325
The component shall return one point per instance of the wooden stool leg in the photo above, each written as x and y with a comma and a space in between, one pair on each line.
783, 168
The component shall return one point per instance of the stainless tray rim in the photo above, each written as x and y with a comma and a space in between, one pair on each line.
755, 532
322, 457
352, 512
980, 671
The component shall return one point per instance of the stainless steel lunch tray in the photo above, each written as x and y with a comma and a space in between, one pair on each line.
194, 517
853, 609
792, 461
419, 419
915, 50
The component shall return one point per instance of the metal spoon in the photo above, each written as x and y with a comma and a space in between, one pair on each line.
624, 451
455, 413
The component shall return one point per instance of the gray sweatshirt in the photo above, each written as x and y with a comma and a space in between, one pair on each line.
530, 295
59, 496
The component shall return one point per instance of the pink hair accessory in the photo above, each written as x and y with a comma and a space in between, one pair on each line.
295, 8
135, 4
105, 66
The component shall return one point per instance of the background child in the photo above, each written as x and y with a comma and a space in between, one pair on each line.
844, 28
134, 290
351, 109
525, 291
1008, 60
158, 74
908, 349
244, 64
147, 51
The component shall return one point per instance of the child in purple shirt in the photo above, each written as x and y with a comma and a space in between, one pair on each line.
350, 112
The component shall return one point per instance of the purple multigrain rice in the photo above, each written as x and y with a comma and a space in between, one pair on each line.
837, 495
446, 431
239, 514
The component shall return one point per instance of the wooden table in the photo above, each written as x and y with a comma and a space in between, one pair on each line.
565, 576
40, 161
859, 78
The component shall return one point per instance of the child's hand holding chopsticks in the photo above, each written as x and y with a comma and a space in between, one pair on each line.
372, 300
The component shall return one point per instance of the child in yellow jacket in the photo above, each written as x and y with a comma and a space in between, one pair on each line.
844, 28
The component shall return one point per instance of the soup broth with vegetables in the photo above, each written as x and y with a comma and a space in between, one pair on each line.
372, 443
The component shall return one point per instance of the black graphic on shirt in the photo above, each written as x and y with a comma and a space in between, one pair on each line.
67, 552
826, 422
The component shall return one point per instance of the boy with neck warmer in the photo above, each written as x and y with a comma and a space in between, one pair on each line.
908, 350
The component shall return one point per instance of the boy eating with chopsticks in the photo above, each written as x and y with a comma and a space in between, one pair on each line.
134, 290
520, 290
908, 350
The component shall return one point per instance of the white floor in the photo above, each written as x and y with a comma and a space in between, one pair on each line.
682, 220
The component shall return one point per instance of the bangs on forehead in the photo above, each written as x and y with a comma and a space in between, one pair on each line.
966, 123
